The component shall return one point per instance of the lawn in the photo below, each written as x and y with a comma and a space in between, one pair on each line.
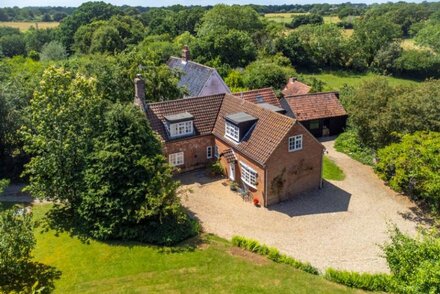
331, 171
335, 80
204, 265
24, 26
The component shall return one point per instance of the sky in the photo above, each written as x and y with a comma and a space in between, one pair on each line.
155, 3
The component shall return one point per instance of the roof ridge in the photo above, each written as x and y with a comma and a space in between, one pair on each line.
312, 94
185, 99
254, 90
193, 62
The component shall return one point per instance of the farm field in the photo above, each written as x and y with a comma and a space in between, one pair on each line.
208, 264
24, 26
335, 80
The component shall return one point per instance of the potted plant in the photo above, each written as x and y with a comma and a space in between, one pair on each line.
256, 201
233, 186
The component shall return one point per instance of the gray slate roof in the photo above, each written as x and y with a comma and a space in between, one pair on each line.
194, 75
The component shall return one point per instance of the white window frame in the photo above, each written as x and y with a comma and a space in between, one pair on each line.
209, 154
295, 143
216, 155
180, 129
248, 175
176, 159
232, 131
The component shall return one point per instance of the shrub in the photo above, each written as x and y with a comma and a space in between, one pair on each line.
272, 253
216, 168
414, 262
305, 19
3, 184
365, 281
349, 143
413, 166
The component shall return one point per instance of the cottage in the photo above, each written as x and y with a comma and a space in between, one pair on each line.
321, 113
270, 155
198, 79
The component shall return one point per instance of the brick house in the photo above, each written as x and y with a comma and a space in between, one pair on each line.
198, 79
321, 113
270, 155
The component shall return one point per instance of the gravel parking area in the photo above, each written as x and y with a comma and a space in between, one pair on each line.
340, 226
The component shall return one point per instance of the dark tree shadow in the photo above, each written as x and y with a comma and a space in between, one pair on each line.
329, 199
419, 214
34, 277
61, 219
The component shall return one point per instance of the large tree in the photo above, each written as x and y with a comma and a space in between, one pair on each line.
128, 182
63, 118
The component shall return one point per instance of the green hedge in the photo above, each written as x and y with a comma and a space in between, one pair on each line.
371, 282
272, 254
349, 143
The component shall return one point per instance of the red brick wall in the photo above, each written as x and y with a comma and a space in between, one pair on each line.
194, 150
291, 173
257, 192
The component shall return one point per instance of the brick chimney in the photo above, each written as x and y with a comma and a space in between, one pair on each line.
139, 92
185, 53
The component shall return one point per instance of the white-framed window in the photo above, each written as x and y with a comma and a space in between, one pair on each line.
295, 143
248, 175
176, 159
216, 151
209, 152
181, 129
232, 131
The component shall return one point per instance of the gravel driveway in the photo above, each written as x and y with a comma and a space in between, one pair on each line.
339, 226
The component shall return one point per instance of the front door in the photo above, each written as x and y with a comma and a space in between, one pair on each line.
232, 171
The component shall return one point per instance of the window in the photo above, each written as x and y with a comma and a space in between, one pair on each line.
176, 159
232, 131
259, 99
209, 152
248, 175
314, 124
181, 129
216, 151
295, 143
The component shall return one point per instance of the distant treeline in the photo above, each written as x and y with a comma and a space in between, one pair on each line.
48, 14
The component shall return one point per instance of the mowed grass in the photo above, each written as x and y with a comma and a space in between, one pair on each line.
335, 80
331, 171
205, 265
24, 26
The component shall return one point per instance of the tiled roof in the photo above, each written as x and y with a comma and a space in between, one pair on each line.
262, 139
315, 106
194, 75
267, 95
294, 87
203, 109
229, 155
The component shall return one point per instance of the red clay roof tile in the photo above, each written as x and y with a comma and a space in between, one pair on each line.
267, 95
315, 106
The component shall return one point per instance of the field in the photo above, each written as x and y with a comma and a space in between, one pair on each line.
206, 265
24, 26
335, 80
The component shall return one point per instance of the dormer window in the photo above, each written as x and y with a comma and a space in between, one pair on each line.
237, 125
179, 125
232, 131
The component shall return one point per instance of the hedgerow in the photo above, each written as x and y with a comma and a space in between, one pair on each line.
273, 254
365, 281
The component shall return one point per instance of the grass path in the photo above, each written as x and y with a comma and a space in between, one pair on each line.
331, 171
205, 265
